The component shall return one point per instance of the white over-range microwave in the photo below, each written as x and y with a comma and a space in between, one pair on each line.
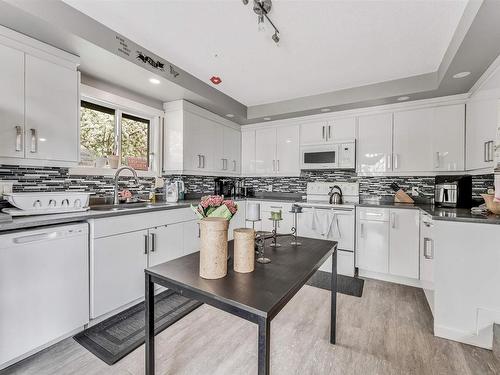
341, 155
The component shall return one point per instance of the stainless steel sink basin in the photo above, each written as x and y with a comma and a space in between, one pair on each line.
119, 207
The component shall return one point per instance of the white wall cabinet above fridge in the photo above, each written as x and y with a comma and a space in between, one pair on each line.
422, 141
40, 103
196, 141
332, 130
271, 151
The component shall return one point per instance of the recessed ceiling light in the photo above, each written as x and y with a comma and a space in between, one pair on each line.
154, 81
267, 118
230, 115
402, 98
461, 75
325, 109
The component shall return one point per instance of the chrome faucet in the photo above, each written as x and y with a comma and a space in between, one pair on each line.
117, 175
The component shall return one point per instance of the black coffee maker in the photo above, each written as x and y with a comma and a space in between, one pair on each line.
225, 187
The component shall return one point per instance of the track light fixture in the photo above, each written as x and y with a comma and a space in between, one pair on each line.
262, 9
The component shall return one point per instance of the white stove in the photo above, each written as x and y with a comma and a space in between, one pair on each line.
320, 219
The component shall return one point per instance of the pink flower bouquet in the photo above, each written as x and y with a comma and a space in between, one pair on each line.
215, 206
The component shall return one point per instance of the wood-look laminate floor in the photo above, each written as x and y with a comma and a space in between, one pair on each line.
387, 331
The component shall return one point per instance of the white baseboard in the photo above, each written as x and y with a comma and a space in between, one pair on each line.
470, 338
390, 278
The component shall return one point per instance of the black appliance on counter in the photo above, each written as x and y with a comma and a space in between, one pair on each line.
225, 187
453, 191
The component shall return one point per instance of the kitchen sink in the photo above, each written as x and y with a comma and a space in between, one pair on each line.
119, 207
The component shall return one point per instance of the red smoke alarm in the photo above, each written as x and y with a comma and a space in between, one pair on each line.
215, 80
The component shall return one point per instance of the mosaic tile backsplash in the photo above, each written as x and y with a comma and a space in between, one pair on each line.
58, 179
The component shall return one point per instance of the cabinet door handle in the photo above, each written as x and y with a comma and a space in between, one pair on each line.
199, 230
223, 164
396, 161
274, 165
436, 160
153, 242
19, 138
389, 161
277, 165
34, 145
203, 161
146, 244
234, 165
393, 220
485, 152
428, 254
323, 134
491, 148
199, 161
362, 230
329, 132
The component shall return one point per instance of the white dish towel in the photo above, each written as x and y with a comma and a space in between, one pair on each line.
324, 223
333, 229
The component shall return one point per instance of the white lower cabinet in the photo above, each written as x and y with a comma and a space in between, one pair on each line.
388, 242
118, 270
120, 254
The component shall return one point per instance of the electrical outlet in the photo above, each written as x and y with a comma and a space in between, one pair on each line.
414, 191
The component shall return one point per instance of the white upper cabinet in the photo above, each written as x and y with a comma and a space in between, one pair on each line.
265, 151
248, 152
196, 141
52, 109
448, 138
331, 130
12, 99
287, 151
374, 146
276, 151
40, 103
482, 122
413, 140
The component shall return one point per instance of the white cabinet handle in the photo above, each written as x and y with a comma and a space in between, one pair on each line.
428, 254
203, 161
19, 138
389, 161
199, 161
146, 243
396, 161
393, 220
485, 152
362, 230
153, 242
277, 165
34, 145
234, 165
223, 164
490, 151
274, 165
437, 160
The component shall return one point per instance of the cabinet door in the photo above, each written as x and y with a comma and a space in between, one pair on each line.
248, 152
413, 134
12, 99
232, 139
372, 249
287, 151
265, 151
481, 128
52, 110
198, 146
166, 243
118, 270
448, 132
404, 242
374, 149
342, 129
191, 233
313, 132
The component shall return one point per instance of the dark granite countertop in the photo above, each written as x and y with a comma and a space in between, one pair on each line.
437, 213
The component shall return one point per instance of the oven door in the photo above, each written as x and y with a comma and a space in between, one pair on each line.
319, 157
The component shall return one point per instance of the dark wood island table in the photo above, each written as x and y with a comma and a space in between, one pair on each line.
257, 296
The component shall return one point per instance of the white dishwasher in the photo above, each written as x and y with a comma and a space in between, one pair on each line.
44, 287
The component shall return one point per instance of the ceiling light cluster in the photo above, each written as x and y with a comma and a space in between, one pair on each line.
262, 9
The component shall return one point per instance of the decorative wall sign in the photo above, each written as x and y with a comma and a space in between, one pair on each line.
157, 64
215, 80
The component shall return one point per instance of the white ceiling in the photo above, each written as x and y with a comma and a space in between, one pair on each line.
325, 45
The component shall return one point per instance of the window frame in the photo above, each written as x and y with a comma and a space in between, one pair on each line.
124, 106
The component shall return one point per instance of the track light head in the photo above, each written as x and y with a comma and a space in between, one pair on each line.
276, 37
245, 2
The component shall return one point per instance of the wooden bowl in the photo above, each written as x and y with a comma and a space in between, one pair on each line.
492, 206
